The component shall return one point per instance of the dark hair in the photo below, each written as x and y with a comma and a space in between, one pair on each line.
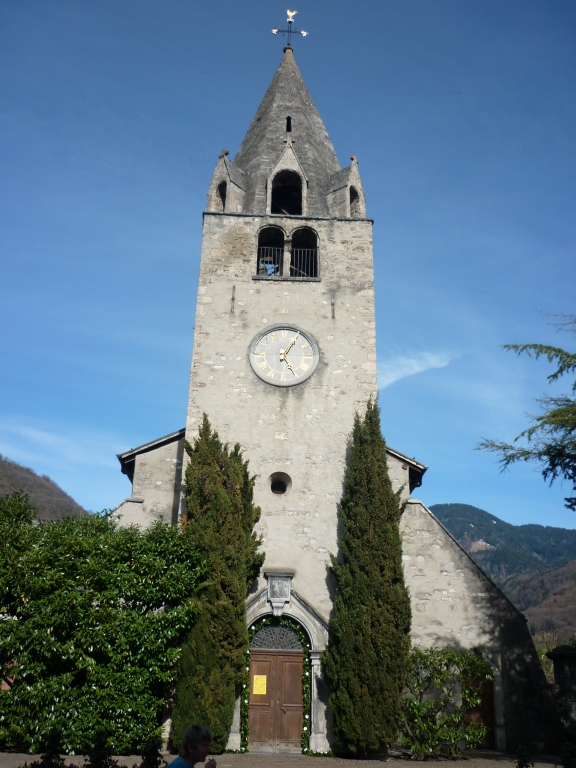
193, 735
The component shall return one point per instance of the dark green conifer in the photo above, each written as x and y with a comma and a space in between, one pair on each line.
220, 519
366, 660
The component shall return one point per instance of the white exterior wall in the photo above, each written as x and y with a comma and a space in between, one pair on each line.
301, 430
156, 488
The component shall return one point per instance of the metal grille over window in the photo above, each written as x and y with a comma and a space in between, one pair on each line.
304, 262
270, 261
270, 252
304, 253
276, 639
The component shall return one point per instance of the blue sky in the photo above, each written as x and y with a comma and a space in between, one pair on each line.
113, 112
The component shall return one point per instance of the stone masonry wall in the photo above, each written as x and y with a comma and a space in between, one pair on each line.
301, 430
156, 489
455, 605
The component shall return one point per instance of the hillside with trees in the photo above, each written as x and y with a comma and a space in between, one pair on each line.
548, 600
535, 565
47, 498
503, 550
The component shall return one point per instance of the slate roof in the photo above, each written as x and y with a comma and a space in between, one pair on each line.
339, 179
265, 141
237, 175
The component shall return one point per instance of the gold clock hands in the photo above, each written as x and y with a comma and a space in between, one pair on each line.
289, 365
289, 347
284, 353
284, 359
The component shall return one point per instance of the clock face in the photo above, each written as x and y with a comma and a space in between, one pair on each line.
284, 355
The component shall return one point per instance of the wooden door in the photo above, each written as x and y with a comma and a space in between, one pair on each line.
261, 702
275, 709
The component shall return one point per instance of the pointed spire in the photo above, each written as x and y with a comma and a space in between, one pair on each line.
287, 113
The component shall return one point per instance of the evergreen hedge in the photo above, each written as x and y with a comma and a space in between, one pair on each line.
92, 619
366, 660
220, 520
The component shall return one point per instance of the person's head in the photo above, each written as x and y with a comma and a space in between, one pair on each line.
195, 744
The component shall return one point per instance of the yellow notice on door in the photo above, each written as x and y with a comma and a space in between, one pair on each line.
259, 685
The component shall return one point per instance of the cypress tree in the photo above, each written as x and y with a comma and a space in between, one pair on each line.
366, 661
220, 520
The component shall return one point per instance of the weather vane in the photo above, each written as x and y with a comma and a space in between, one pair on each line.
290, 29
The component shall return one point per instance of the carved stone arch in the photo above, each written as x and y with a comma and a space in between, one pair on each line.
356, 199
227, 189
355, 202
218, 194
303, 230
288, 172
270, 251
297, 609
291, 605
286, 193
304, 253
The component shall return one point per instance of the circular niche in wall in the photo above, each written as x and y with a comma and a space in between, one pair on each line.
280, 483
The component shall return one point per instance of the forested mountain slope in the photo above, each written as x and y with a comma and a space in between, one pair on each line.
50, 501
548, 600
503, 550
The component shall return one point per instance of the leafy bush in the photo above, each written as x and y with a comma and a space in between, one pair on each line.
52, 757
93, 618
100, 755
433, 723
152, 755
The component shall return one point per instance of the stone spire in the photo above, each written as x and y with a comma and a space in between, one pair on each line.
271, 132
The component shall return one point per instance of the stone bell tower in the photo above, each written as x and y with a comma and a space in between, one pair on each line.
284, 345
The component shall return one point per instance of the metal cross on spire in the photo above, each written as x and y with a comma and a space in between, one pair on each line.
290, 29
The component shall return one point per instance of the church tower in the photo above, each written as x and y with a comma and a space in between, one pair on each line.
284, 345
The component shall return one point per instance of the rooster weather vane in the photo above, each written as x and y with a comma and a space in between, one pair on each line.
290, 29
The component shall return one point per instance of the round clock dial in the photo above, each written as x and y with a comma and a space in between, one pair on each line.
284, 355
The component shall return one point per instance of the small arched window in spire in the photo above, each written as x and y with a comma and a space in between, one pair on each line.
354, 203
222, 195
288, 124
287, 194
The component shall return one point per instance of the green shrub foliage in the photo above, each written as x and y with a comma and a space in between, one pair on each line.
366, 660
52, 757
152, 755
100, 755
220, 519
93, 619
433, 724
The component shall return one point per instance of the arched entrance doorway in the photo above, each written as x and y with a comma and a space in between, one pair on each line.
276, 705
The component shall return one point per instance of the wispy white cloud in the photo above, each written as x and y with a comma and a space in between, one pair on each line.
81, 460
399, 367
49, 445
